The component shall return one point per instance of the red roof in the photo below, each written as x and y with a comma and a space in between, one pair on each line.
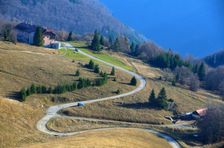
202, 112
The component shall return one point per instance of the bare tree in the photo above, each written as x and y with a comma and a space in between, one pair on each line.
148, 50
211, 127
194, 83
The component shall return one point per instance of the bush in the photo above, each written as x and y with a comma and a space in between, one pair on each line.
77, 73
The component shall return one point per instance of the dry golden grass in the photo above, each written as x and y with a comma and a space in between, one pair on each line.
20, 69
70, 125
134, 108
17, 123
122, 138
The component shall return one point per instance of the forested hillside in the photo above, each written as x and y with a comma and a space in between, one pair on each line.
79, 16
216, 59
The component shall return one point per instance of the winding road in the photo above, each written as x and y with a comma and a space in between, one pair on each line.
52, 112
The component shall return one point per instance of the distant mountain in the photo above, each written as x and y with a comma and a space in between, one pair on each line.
79, 16
215, 60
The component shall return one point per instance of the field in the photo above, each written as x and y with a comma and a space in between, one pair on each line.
105, 56
21, 65
122, 138
135, 108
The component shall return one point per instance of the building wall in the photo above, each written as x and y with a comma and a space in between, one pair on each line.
48, 41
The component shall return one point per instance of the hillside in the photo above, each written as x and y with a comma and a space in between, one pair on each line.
123, 138
79, 16
17, 124
215, 60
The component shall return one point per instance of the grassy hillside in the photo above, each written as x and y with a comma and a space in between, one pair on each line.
136, 109
17, 123
21, 65
123, 138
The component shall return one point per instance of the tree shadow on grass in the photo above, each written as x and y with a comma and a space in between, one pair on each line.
141, 105
14, 95
135, 105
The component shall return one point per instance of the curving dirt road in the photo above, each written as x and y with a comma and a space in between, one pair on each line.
53, 111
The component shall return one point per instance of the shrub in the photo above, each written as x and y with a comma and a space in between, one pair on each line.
77, 73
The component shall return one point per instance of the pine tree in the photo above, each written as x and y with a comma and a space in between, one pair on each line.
201, 72
38, 37
152, 98
23, 95
162, 98
95, 45
91, 64
69, 36
133, 81
102, 42
112, 72
77, 73
97, 69
133, 49
33, 89
116, 46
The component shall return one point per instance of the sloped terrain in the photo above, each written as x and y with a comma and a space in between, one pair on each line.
215, 60
17, 123
79, 16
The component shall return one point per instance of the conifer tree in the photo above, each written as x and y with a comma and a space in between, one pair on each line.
77, 73
201, 72
97, 69
133, 49
112, 72
133, 81
69, 36
102, 42
152, 98
91, 64
38, 37
116, 45
162, 98
95, 45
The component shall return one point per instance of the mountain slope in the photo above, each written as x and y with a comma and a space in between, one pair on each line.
80, 16
215, 60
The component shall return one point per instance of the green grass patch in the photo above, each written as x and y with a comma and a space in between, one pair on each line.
107, 58
73, 55
102, 55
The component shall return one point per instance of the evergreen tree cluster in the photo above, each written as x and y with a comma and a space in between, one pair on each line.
60, 89
168, 60
95, 67
97, 42
199, 69
160, 101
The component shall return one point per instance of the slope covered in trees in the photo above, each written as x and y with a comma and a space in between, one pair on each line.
79, 16
215, 60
